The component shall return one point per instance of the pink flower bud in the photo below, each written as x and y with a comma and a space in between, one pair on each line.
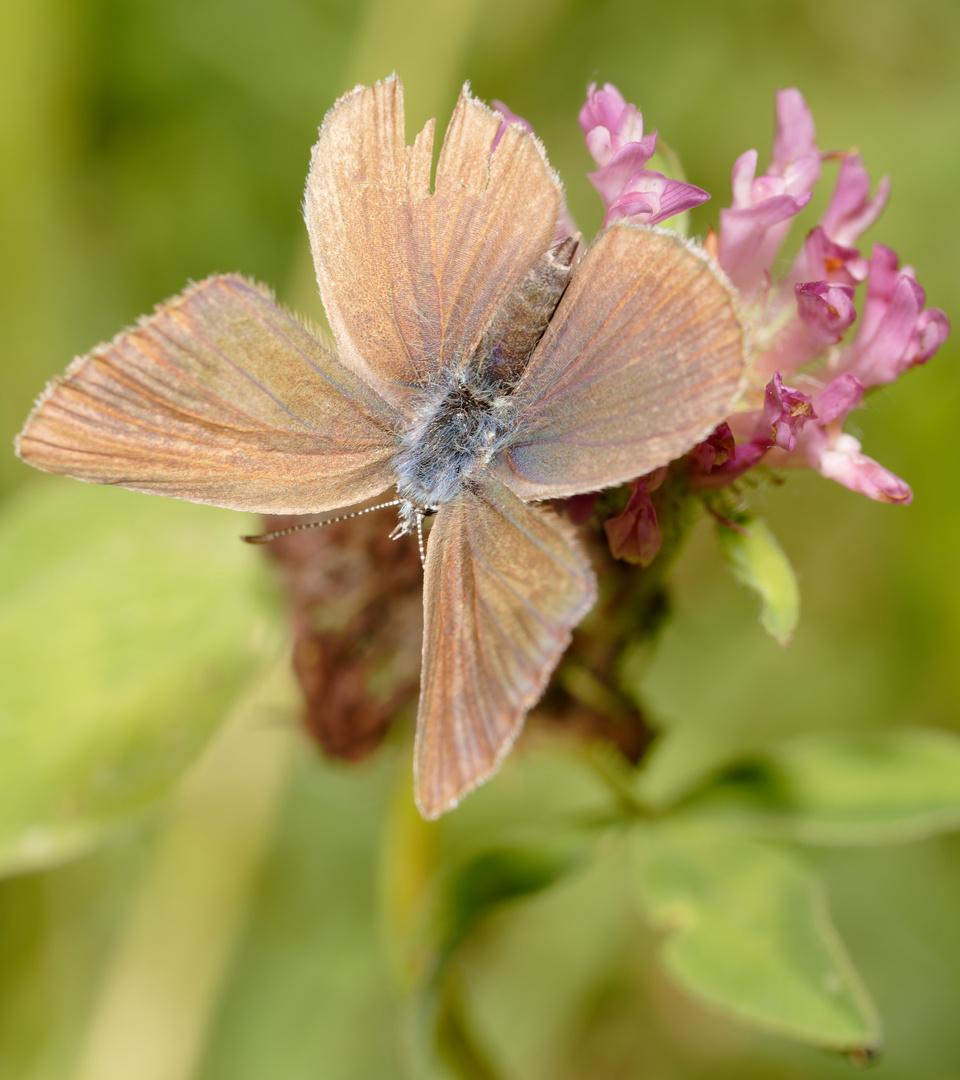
750, 237
634, 535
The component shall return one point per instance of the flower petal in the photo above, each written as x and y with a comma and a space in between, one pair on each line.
838, 398
785, 411
634, 535
650, 197
848, 466
626, 162
750, 237
795, 154
851, 210
896, 333
826, 310
821, 259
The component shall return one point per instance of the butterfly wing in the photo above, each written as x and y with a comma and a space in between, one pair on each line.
505, 585
219, 397
410, 279
642, 359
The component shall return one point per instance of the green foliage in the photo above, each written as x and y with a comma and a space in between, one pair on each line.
749, 933
127, 626
758, 561
845, 788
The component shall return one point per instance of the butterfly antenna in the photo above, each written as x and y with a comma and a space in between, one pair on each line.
265, 538
423, 558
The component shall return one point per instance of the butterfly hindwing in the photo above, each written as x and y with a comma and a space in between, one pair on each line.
219, 397
641, 360
505, 585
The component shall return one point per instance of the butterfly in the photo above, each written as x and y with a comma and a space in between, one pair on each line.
480, 369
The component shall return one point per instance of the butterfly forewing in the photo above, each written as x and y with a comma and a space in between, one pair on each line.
219, 397
505, 585
642, 359
410, 279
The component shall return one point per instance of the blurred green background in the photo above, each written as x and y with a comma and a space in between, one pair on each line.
238, 934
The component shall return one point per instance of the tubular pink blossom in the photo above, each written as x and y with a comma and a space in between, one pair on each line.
754, 228
650, 197
624, 164
609, 123
838, 398
845, 463
602, 108
795, 154
614, 135
931, 331
820, 259
896, 333
851, 210
826, 311
750, 237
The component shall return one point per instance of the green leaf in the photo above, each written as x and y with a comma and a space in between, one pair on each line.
127, 626
875, 787
749, 934
495, 877
758, 561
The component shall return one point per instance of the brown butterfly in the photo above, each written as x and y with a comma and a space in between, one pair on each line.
479, 369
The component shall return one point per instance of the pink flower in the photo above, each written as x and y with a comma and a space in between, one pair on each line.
614, 135
839, 398
841, 460
895, 333
634, 535
824, 446
785, 411
826, 311
754, 227
851, 210
609, 124
715, 450
824, 314
821, 259
718, 461
649, 197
